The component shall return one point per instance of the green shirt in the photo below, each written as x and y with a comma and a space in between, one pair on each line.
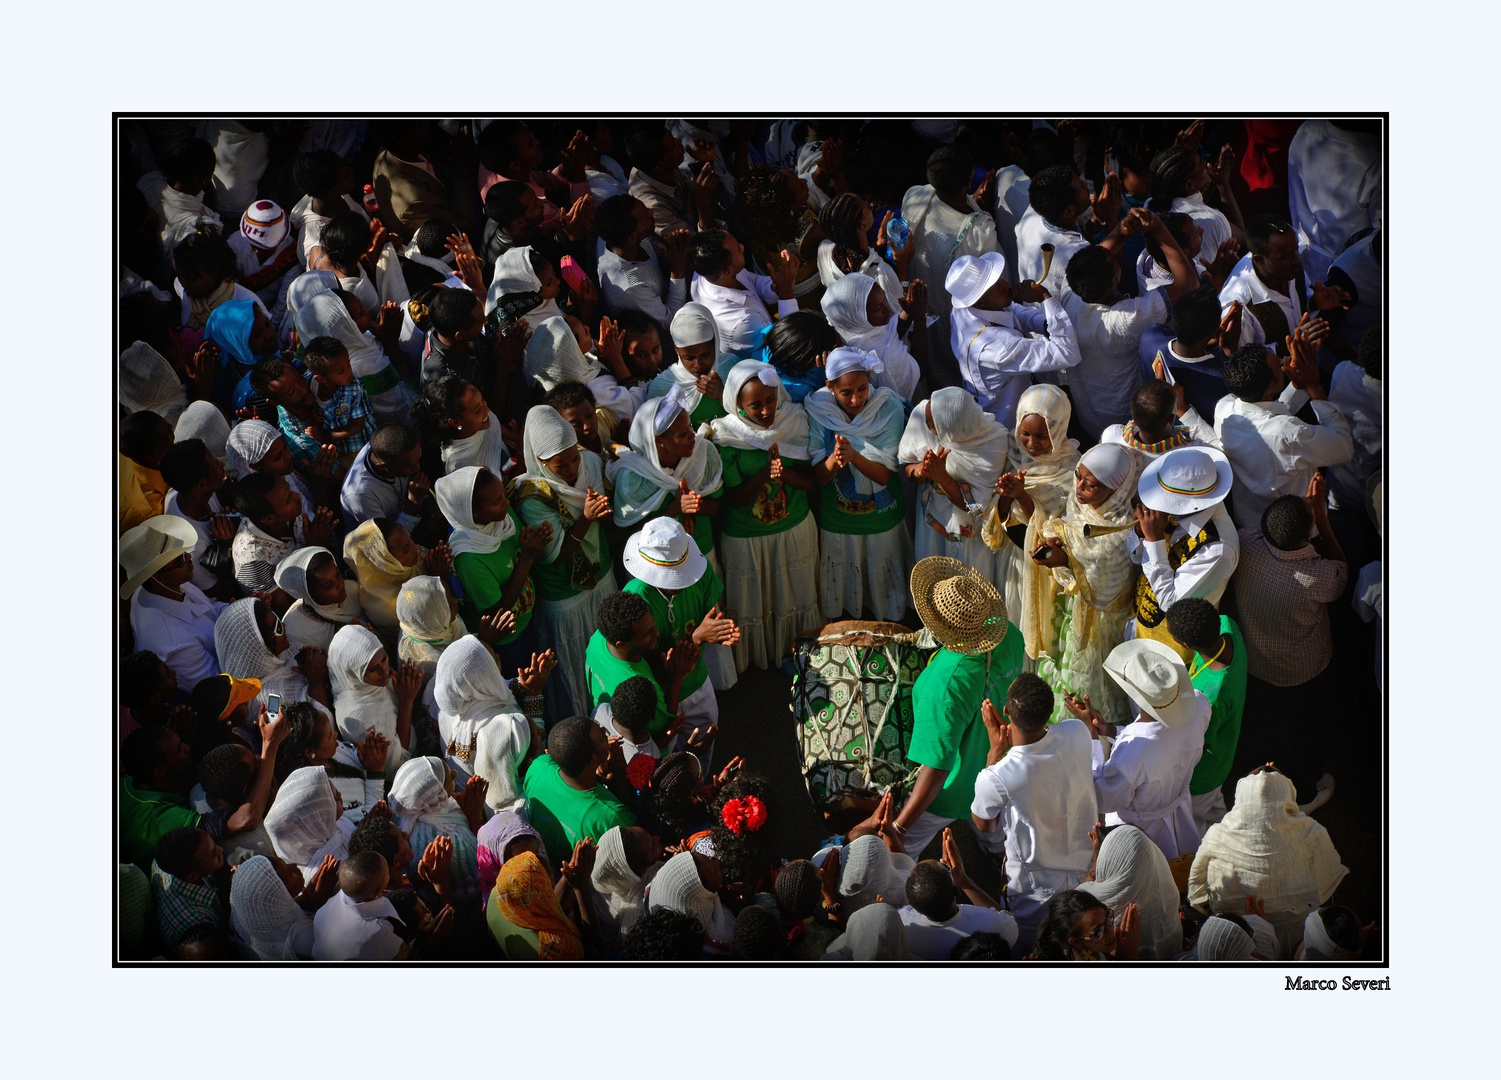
776, 508
708, 409
605, 671
557, 577
677, 616
563, 815
484, 578
145, 816
1226, 691
947, 732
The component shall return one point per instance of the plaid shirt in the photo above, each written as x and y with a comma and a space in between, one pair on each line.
349, 405
182, 905
1281, 596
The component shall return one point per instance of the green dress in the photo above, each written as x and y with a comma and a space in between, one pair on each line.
484, 578
1226, 691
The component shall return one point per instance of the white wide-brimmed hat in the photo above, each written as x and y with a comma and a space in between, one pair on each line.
971, 276
150, 546
1185, 481
664, 555
1153, 676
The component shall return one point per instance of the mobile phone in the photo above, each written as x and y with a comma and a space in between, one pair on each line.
573, 275
1041, 553
273, 705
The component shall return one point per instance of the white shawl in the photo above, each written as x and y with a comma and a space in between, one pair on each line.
1131, 869
428, 625
474, 703
977, 452
553, 356
417, 796
243, 653
264, 916
844, 306
148, 383
485, 447
203, 420
789, 427
875, 432
455, 494
304, 823
514, 274
640, 480
358, 706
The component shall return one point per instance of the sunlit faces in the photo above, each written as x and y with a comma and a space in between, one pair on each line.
402, 547
474, 413
644, 634
278, 459
490, 502
676, 443
877, 310
378, 671
325, 584
1032, 433
290, 391
758, 403
698, 359
995, 298
550, 282
566, 465
1088, 489
736, 251
285, 504
584, 421
852, 389
643, 353
581, 333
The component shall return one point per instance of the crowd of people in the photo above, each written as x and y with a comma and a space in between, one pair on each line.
467, 468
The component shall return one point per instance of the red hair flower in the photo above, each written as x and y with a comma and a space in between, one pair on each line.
638, 772
743, 815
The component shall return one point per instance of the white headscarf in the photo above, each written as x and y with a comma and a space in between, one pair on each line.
243, 653
869, 870
148, 383
264, 916
485, 447
1133, 870
844, 306
474, 703
304, 823
324, 315
307, 286
417, 795
514, 274
1221, 939
358, 706
546, 435
789, 428
553, 356
614, 879
203, 420
427, 629
380, 574
1110, 463
292, 578
455, 494
677, 887
248, 442
977, 443
639, 478
875, 932
875, 432
692, 325
1267, 847
1056, 467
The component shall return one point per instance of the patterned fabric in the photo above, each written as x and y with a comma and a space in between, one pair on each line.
182, 905
1282, 596
853, 704
524, 895
349, 405
1147, 611
1078, 671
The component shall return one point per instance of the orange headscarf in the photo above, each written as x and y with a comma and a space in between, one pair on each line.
524, 893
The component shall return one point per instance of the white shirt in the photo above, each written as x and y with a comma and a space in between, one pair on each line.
605, 718
1012, 187
1216, 225
640, 286
739, 313
997, 358
1109, 368
929, 940
941, 236
1145, 781
1043, 794
180, 632
1334, 190
346, 930
1032, 231
202, 577
1357, 396
1204, 574
1274, 453
1245, 286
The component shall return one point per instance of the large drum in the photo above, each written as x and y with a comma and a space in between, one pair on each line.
852, 698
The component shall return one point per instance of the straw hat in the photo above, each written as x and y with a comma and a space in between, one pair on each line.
150, 546
1153, 676
962, 609
1185, 481
664, 555
970, 277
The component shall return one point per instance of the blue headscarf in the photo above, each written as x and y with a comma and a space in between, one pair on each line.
229, 328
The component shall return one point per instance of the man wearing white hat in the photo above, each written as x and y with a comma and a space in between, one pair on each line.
1145, 780
1184, 542
683, 591
989, 334
169, 615
266, 256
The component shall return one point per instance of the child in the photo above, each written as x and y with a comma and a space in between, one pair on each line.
641, 346
288, 388
355, 924
184, 887
348, 418
525, 286
575, 403
266, 255
322, 601
770, 544
272, 526
344, 318
628, 715
386, 480
384, 557
683, 592
854, 432
618, 649
205, 268
695, 372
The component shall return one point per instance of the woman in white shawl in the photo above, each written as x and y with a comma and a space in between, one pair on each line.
149, 384
1131, 869
668, 467
679, 886
553, 356
1266, 847
384, 557
875, 932
339, 316
865, 319
769, 546
483, 728
429, 616
1079, 611
324, 603
423, 806
1033, 491
454, 413
955, 450
203, 420
565, 487
854, 432
870, 872
306, 821
241, 636
619, 887
264, 915
518, 274
366, 697
699, 370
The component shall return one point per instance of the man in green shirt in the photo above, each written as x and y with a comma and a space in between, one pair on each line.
153, 794
563, 793
981, 653
618, 650
1218, 671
